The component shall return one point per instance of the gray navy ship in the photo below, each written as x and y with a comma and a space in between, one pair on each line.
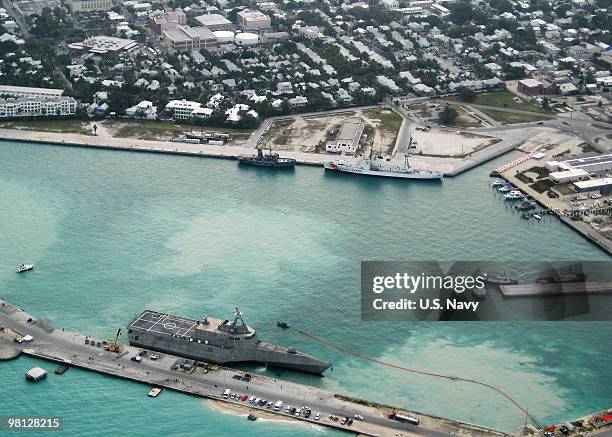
215, 341
268, 160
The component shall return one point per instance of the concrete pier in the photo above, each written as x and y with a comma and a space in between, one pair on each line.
70, 348
7, 350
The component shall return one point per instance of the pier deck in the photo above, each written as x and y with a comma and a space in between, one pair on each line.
559, 289
70, 348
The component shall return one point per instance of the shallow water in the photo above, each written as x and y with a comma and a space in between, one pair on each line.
113, 233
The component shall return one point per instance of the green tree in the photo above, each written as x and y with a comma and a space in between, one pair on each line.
467, 94
461, 12
448, 115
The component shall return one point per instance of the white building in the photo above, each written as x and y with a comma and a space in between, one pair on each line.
298, 102
185, 39
144, 109
284, 88
37, 107
185, 109
253, 20
391, 5
103, 44
37, 93
214, 22
562, 177
348, 137
89, 5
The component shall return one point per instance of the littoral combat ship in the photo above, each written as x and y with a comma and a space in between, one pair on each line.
215, 341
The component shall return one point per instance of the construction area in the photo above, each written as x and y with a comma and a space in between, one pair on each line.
312, 133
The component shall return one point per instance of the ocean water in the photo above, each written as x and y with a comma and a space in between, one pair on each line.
113, 233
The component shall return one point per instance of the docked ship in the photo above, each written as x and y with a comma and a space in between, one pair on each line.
216, 341
502, 278
562, 277
267, 160
378, 166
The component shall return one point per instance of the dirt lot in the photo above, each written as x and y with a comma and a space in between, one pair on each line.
310, 134
446, 143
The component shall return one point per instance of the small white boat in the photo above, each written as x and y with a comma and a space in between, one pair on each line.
505, 189
24, 268
537, 216
498, 182
154, 392
513, 195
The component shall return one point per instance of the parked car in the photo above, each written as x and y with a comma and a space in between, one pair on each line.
358, 417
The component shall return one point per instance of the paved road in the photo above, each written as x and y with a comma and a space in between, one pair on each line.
70, 347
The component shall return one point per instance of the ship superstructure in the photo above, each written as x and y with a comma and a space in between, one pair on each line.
216, 341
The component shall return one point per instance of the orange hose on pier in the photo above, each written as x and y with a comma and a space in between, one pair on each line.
420, 372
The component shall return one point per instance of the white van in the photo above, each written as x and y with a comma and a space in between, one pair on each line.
278, 405
226, 393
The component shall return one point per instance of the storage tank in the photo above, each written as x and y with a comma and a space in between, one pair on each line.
224, 36
246, 39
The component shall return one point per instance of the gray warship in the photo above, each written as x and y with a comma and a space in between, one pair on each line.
215, 341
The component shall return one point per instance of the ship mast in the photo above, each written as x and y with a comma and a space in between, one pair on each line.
238, 318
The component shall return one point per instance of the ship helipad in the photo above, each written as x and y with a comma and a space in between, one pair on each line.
164, 324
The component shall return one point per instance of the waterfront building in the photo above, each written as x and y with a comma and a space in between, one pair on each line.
596, 164
565, 176
348, 137
603, 186
185, 109
37, 107
144, 109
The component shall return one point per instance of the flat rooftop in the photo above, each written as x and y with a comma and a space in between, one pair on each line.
589, 160
212, 20
594, 183
350, 130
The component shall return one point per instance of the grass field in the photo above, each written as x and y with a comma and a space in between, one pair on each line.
390, 121
503, 99
62, 126
155, 130
512, 118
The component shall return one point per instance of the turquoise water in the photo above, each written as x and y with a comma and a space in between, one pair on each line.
112, 233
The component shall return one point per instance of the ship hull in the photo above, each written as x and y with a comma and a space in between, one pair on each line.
389, 174
285, 164
269, 355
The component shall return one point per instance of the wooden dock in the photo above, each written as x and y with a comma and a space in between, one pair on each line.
557, 289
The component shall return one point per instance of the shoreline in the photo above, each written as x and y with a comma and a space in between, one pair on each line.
245, 410
450, 167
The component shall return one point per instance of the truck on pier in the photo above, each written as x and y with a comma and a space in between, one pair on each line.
403, 418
